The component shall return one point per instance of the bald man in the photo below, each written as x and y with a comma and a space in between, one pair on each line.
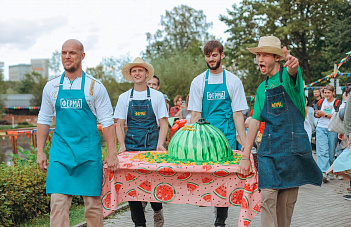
78, 101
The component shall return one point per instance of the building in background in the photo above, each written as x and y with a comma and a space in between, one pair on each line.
17, 72
2, 68
41, 66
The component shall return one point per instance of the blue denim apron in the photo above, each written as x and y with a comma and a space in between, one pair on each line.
217, 109
285, 154
142, 130
75, 166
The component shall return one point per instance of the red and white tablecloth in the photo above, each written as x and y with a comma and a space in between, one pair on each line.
201, 185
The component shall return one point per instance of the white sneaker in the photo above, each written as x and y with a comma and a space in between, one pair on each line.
339, 178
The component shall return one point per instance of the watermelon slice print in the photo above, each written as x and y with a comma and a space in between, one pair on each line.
257, 208
103, 180
166, 171
244, 177
143, 171
127, 165
207, 197
132, 193
221, 191
221, 173
146, 186
106, 201
185, 176
206, 180
111, 176
250, 188
191, 187
118, 186
246, 222
206, 168
245, 203
164, 192
130, 177
236, 196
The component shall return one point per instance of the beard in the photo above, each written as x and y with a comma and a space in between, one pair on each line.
70, 69
216, 66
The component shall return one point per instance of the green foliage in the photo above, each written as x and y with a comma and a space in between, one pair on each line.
177, 71
301, 26
55, 63
181, 27
22, 193
23, 188
3, 89
33, 83
109, 73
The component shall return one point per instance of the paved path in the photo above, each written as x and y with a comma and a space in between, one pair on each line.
315, 207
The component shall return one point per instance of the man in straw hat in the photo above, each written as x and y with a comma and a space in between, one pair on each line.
78, 101
285, 159
218, 96
144, 112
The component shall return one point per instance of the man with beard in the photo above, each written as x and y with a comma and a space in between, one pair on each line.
78, 101
285, 159
218, 96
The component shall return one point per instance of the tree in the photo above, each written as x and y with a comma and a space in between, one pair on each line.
3, 89
177, 72
38, 88
55, 63
109, 72
299, 24
181, 27
27, 83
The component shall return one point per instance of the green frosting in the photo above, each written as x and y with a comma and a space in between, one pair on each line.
199, 143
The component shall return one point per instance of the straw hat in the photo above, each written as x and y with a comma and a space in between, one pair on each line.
137, 62
268, 44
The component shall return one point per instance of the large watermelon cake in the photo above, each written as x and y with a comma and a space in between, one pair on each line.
199, 142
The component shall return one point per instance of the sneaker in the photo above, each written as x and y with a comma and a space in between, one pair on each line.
331, 176
325, 178
144, 204
347, 197
158, 218
339, 178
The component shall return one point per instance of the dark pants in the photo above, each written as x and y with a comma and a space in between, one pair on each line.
221, 216
137, 211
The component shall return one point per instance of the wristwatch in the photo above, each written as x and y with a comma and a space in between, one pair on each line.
326, 115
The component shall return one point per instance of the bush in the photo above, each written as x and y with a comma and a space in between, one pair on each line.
22, 193
23, 189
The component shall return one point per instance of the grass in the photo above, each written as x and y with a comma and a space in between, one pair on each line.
76, 216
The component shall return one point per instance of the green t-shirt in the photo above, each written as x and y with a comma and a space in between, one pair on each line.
294, 90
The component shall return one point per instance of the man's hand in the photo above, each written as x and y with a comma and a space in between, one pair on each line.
245, 166
42, 161
122, 149
112, 163
291, 63
160, 147
340, 136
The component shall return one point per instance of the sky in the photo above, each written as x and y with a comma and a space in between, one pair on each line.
32, 29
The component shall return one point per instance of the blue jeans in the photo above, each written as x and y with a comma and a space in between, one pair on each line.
325, 144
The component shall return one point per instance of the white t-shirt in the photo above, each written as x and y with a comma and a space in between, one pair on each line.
99, 103
234, 86
157, 101
328, 108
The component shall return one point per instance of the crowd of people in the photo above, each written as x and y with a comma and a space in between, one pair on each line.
285, 160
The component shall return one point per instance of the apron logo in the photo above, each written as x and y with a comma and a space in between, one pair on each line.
71, 103
276, 105
139, 113
215, 95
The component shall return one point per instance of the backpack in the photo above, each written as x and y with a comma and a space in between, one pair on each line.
336, 104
